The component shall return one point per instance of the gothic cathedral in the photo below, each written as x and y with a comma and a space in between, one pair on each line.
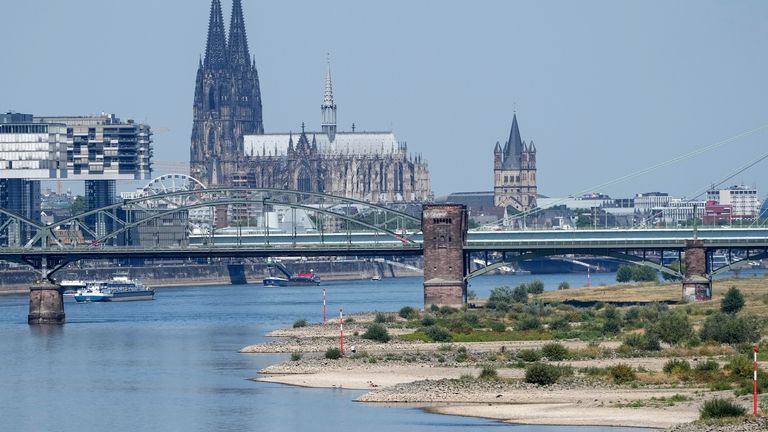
227, 100
514, 171
230, 148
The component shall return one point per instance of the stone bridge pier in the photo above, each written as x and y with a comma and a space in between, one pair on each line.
46, 304
444, 227
697, 283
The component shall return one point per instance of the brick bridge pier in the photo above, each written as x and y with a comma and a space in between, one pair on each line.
444, 228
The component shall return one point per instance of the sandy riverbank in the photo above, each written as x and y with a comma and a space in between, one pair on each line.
408, 372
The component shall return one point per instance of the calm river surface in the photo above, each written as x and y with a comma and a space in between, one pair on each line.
172, 364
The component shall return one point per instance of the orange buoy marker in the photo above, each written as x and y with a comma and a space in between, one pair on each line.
341, 329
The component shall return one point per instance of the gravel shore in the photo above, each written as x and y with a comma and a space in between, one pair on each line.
429, 375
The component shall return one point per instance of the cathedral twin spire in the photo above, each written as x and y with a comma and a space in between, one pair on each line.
218, 53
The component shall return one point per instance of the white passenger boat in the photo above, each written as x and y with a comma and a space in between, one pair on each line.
119, 288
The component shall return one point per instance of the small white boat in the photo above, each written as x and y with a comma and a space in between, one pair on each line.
376, 278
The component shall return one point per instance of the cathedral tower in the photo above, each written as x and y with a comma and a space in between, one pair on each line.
329, 108
514, 170
227, 102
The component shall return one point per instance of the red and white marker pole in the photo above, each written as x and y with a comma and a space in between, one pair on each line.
341, 329
587, 276
754, 410
325, 319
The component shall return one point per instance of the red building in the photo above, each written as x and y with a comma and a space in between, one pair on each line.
717, 213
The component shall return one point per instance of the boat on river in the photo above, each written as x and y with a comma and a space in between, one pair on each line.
119, 288
288, 279
70, 287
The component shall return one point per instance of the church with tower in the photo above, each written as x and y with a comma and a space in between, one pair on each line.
514, 172
230, 148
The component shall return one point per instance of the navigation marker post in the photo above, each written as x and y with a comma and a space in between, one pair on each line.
341, 329
754, 409
588, 276
325, 319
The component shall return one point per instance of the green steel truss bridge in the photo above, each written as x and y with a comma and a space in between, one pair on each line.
344, 227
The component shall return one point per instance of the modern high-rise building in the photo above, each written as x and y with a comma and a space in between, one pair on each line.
514, 172
227, 102
102, 150
97, 149
29, 153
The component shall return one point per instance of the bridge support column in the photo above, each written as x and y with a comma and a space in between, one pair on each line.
697, 284
46, 304
444, 227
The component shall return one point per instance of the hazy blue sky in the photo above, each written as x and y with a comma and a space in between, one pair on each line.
602, 87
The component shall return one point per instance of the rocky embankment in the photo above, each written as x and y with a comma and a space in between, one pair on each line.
745, 425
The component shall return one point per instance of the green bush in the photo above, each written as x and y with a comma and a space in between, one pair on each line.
710, 365
434, 308
536, 287
461, 354
296, 356
731, 328
741, 366
624, 274
564, 286
718, 408
560, 323
471, 318
732, 302
520, 294
542, 374
676, 366
501, 294
529, 355
488, 373
498, 327
333, 353
376, 332
447, 310
611, 327
622, 373
408, 312
632, 315
672, 327
380, 318
529, 323
643, 273
299, 323
438, 334
428, 320
555, 352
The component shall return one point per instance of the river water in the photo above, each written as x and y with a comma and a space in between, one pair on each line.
172, 364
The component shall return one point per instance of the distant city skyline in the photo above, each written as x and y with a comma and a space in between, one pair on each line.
603, 88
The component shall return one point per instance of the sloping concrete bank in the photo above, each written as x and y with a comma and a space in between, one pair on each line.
18, 280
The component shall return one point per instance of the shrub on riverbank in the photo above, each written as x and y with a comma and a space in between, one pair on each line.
408, 312
333, 353
299, 323
489, 373
542, 374
731, 329
438, 334
719, 408
377, 332
555, 352
622, 373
